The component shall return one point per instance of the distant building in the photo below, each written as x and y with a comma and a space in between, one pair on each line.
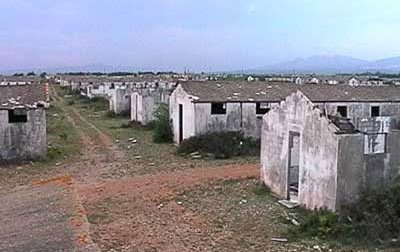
146, 100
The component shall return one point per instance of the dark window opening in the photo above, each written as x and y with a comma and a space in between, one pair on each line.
112, 86
218, 108
17, 116
262, 108
342, 111
375, 111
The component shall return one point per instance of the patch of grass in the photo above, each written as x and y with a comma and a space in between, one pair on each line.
261, 190
63, 140
96, 104
162, 132
221, 145
374, 219
230, 182
98, 218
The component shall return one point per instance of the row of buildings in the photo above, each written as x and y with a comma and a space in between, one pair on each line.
321, 145
332, 80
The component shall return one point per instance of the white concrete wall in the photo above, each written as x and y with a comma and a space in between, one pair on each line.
318, 152
239, 117
145, 101
120, 102
23, 141
179, 96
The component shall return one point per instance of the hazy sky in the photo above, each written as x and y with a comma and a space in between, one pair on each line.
199, 34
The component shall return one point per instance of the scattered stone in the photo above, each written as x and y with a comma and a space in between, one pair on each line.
243, 201
58, 163
316, 247
179, 202
196, 157
288, 204
117, 141
160, 206
279, 239
138, 157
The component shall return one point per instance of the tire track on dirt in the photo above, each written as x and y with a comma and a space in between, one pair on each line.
100, 159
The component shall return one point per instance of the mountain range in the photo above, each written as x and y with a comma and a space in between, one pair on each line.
332, 64
315, 64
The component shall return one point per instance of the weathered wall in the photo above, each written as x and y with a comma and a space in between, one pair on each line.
351, 168
358, 109
318, 152
145, 102
120, 102
358, 171
179, 96
23, 141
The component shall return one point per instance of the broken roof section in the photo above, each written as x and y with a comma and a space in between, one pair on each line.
232, 91
23, 96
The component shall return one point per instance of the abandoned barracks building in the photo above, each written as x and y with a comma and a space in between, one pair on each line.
23, 122
320, 147
200, 107
146, 99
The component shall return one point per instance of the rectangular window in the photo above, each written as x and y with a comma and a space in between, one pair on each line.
218, 108
374, 143
375, 111
342, 111
262, 108
17, 116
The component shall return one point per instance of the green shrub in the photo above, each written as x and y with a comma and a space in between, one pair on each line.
54, 152
162, 132
374, 218
221, 145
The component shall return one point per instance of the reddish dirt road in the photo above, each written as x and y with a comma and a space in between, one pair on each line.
158, 187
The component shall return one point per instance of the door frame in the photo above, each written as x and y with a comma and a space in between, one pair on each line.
291, 135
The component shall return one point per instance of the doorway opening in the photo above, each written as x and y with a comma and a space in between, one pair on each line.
293, 167
180, 123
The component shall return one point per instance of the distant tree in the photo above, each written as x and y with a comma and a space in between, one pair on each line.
43, 75
18, 74
31, 74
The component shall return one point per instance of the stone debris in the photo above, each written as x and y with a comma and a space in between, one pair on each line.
279, 239
288, 204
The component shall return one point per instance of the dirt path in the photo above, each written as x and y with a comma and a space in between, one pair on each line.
141, 213
158, 187
100, 159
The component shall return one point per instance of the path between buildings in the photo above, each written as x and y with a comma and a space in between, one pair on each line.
99, 176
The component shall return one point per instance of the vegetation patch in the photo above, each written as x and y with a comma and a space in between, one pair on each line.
63, 139
162, 132
374, 219
221, 145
